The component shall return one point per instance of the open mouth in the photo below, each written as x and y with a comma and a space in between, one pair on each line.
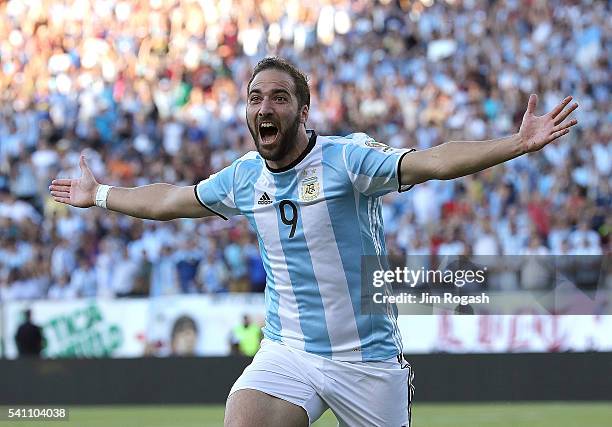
268, 132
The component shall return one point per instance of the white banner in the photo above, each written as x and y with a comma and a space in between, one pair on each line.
202, 325
81, 328
199, 325
505, 334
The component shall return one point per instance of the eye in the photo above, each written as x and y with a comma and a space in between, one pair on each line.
254, 99
281, 98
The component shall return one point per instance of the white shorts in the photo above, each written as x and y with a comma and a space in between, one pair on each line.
369, 394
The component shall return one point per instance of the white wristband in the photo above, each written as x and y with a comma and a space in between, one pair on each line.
102, 195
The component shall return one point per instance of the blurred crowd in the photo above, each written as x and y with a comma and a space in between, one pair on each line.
154, 91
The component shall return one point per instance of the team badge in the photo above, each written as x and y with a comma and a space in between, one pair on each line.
309, 186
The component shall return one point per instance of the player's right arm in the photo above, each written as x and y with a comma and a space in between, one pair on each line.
155, 201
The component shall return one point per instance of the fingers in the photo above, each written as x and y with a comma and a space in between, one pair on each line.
560, 107
62, 188
532, 104
67, 182
61, 194
65, 200
565, 125
565, 113
558, 134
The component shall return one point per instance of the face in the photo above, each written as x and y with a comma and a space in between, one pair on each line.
273, 114
184, 342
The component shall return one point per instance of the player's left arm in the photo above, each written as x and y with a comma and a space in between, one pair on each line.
459, 158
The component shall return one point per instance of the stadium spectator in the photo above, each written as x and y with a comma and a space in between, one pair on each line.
62, 289
584, 238
187, 258
257, 273
164, 276
29, 337
104, 267
246, 337
485, 241
535, 268
83, 279
212, 275
124, 274
142, 281
155, 93
235, 255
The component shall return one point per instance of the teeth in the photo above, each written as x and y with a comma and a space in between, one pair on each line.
267, 125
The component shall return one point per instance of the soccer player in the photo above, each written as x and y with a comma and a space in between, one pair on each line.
315, 204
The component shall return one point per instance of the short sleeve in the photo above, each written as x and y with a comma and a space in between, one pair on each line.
216, 193
373, 167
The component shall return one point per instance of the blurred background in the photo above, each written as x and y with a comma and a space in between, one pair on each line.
154, 91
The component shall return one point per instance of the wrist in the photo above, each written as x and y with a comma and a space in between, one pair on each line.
101, 195
520, 145
93, 194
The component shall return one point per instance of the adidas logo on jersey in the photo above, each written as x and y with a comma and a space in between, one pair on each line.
264, 199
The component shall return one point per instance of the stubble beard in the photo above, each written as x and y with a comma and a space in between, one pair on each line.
285, 145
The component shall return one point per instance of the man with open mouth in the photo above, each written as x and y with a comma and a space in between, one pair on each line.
275, 117
314, 203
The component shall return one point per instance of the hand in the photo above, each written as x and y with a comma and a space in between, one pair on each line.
76, 192
538, 131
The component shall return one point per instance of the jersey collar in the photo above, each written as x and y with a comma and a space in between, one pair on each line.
311, 143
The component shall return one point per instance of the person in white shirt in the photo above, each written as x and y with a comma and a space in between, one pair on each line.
62, 289
535, 270
83, 279
124, 274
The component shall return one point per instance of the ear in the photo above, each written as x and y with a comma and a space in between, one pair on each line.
304, 114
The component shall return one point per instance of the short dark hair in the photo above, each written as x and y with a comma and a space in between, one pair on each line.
183, 323
300, 80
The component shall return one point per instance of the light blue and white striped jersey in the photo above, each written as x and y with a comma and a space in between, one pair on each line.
314, 220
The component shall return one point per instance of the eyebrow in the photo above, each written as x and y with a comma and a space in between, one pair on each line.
275, 91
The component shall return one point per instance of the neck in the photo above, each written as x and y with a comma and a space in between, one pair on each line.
296, 151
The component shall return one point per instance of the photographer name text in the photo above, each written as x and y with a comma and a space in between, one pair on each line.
426, 298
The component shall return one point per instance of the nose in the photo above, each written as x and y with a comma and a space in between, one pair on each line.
265, 108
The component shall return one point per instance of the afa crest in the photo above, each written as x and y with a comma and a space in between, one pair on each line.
309, 188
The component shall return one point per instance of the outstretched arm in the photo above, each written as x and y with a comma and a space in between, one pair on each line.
459, 158
155, 201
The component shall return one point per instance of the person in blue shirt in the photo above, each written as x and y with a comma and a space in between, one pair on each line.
314, 203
